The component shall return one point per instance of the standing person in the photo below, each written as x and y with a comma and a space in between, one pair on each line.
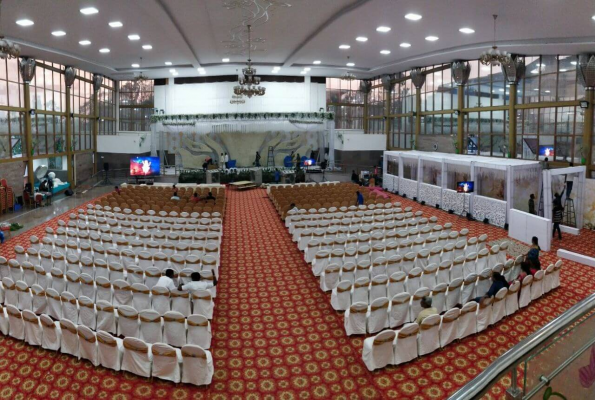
117, 188
557, 216
221, 160
226, 160
360, 198
354, 177
167, 280
277, 175
257, 161
532, 204
175, 195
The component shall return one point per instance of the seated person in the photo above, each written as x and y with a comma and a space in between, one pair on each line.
46, 188
210, 197
175, 195
360, 199
117, 188
526, 269
197, 283
167, 280
532, 255
498, 282
293, 207
428, 310
195, 198
1, 237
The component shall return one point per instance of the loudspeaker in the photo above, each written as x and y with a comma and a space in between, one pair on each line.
451, 211
486, 221
506, 227
68, 192
405, 195
106, 166
423, 202
438, 206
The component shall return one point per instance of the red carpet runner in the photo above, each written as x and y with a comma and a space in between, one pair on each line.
276, 335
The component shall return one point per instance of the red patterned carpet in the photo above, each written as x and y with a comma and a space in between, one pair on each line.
276, 335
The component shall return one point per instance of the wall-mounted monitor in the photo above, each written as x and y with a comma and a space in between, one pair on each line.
546, 151
465, 187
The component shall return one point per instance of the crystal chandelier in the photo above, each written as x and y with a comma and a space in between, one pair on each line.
141, 77
348, 76
8, 49
249, 83
235, 99
494, 56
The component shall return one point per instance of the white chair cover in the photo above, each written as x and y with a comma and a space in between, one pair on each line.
197, 365
329, 277
88, 344
470, 266
536, 286
174, 328
166, 362
468, 291
399, 312
128, 323
548, 280
51, 333
69, 343
136, 357
482, 260
484, 313
557, 269
202, 303
525, 297
69, 307
429, 278
180, 302
109, 351
122, 293
512, 298
405, 348
361, 290
414, 280
408, 262
483, 283
378, 287
87, 314
25, 298
396, 284
448, 326
355, 319
439, 297
378, 350
347, 272
199, 331
106, 317
499, 306
429, 337
467, 323
103, 289
33, 332
340, 297
378, 315
493, 257
416, 302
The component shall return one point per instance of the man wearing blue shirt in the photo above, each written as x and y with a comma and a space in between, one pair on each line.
360, 199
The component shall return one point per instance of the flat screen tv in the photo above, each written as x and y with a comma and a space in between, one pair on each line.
465, 187
145, 166
546, 151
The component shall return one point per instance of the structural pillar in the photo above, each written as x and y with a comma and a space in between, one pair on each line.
512, 121
460, 120
387, 121
95, 131
588, 130
417, 116
69, 139
29, 135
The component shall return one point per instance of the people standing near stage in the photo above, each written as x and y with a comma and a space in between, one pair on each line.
532, 204
360, 198
226, 160
558, 214
257, 161
277, 175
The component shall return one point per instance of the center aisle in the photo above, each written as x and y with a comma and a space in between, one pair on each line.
275, 333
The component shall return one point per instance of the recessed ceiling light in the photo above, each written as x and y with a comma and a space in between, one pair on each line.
563, 70
361, 39
345, 47
134, 37
225, 60
274, 71
307, 69
172, 70
25, 22
431, 38
405, 45
350, 64
116, 24
385, 52
317, 62
276, 68
413, 17
467, 30
593, 17
89, 10
303, 72
58, 33
383, 29
573, 62
147, 47
135, 65
104, 50
168, 63
535, 71
85, 42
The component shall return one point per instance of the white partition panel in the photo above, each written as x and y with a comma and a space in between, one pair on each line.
431, 194
451, 200
493, 209
523, 226
408, 187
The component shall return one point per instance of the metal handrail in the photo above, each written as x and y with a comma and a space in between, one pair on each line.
509, 361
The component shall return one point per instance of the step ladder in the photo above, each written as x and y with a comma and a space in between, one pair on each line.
569, 213
271, 157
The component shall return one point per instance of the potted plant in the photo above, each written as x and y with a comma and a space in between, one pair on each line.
582, 152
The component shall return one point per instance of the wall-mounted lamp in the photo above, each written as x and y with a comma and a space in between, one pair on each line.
457, 113
32, 112
584, 104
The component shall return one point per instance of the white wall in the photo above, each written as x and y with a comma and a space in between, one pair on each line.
124, 143
207, 98
356, 140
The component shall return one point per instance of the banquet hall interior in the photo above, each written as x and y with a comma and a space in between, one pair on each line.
297, 199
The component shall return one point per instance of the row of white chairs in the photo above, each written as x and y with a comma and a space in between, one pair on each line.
438, 268
437, 331
118, 293
190, 364
120, 215
358, 224
92, 224
151, 213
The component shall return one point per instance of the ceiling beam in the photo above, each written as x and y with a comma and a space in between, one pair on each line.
174, 21
344, 11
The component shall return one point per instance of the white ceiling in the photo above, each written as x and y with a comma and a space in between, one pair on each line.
195, 33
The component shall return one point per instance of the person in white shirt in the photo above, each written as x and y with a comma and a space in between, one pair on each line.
226, 159
167, 280
197, 283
